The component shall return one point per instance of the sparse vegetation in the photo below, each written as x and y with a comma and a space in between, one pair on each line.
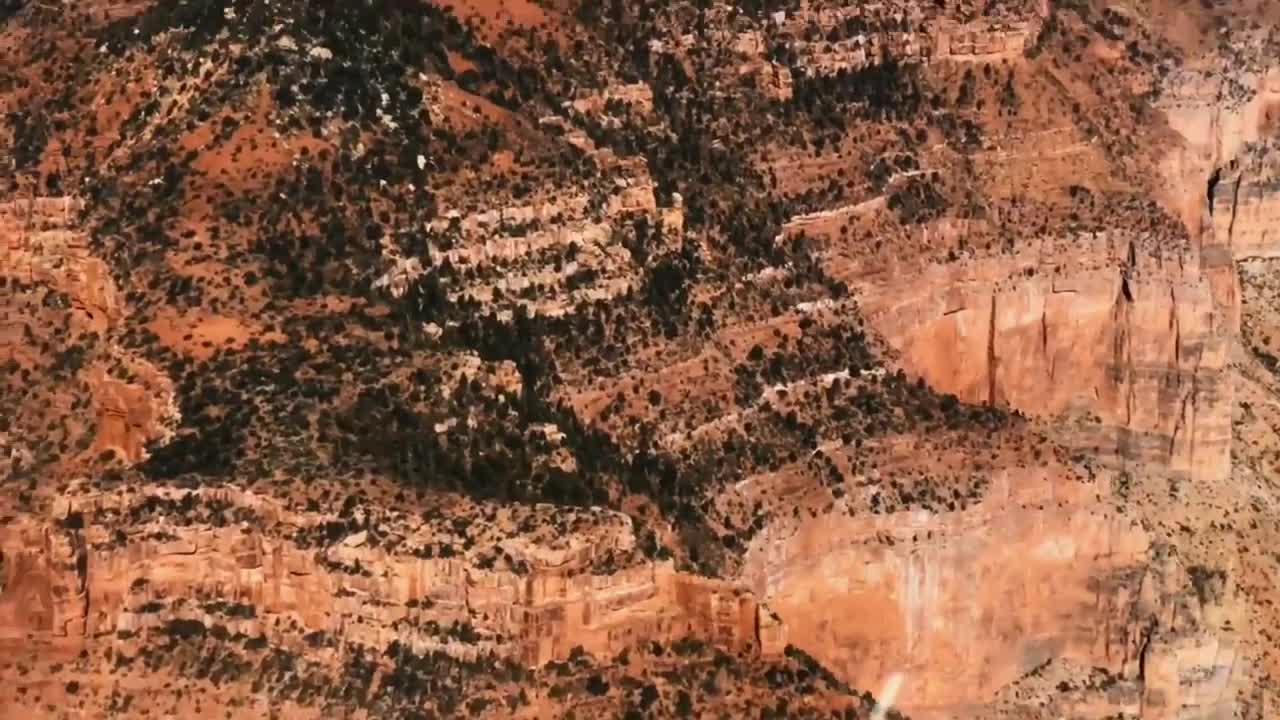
443, 284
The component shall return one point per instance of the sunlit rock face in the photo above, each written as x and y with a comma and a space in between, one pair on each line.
71, 577
1135, 331
1086, 324
527, 359
967, 603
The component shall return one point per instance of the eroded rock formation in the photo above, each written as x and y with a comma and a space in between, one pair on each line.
61, 295
74, 576
967, 603
1127, 335
648, 361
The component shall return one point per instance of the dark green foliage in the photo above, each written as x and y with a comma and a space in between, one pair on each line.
1208, 583
211, 443
9, 8
185, 629
596, 685
1009, 103
666, 288
1269, 361
918, 200
230, 609
30, 133
885, 167
965, 95
885, 90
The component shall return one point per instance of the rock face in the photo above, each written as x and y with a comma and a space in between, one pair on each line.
1119, 325
1136, 331
1248, 204
844, 39
1115, 326
72, 577
967, 603
1085, 324
43, 246
1217, 116
682, 359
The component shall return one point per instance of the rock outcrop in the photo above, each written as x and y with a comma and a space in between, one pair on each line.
76, 575
829, 40
1243, 207
61, 295
1109, 325
677, 359
550, 256
969, 602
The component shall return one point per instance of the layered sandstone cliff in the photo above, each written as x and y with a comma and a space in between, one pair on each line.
1136, 334
127, 563
588, 357
1084, 324
963, 604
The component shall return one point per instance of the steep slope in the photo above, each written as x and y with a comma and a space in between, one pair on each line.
368, 356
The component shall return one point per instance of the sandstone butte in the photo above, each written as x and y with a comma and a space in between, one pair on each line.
548, 358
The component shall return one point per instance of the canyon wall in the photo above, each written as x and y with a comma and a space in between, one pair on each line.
123, 563
1119, 342
966, 603
1215, 115
1131, 332
1245, 206
867, 36
1220, 176
1131, 328
1103, 324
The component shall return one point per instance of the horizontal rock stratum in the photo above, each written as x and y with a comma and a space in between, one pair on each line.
406, 359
